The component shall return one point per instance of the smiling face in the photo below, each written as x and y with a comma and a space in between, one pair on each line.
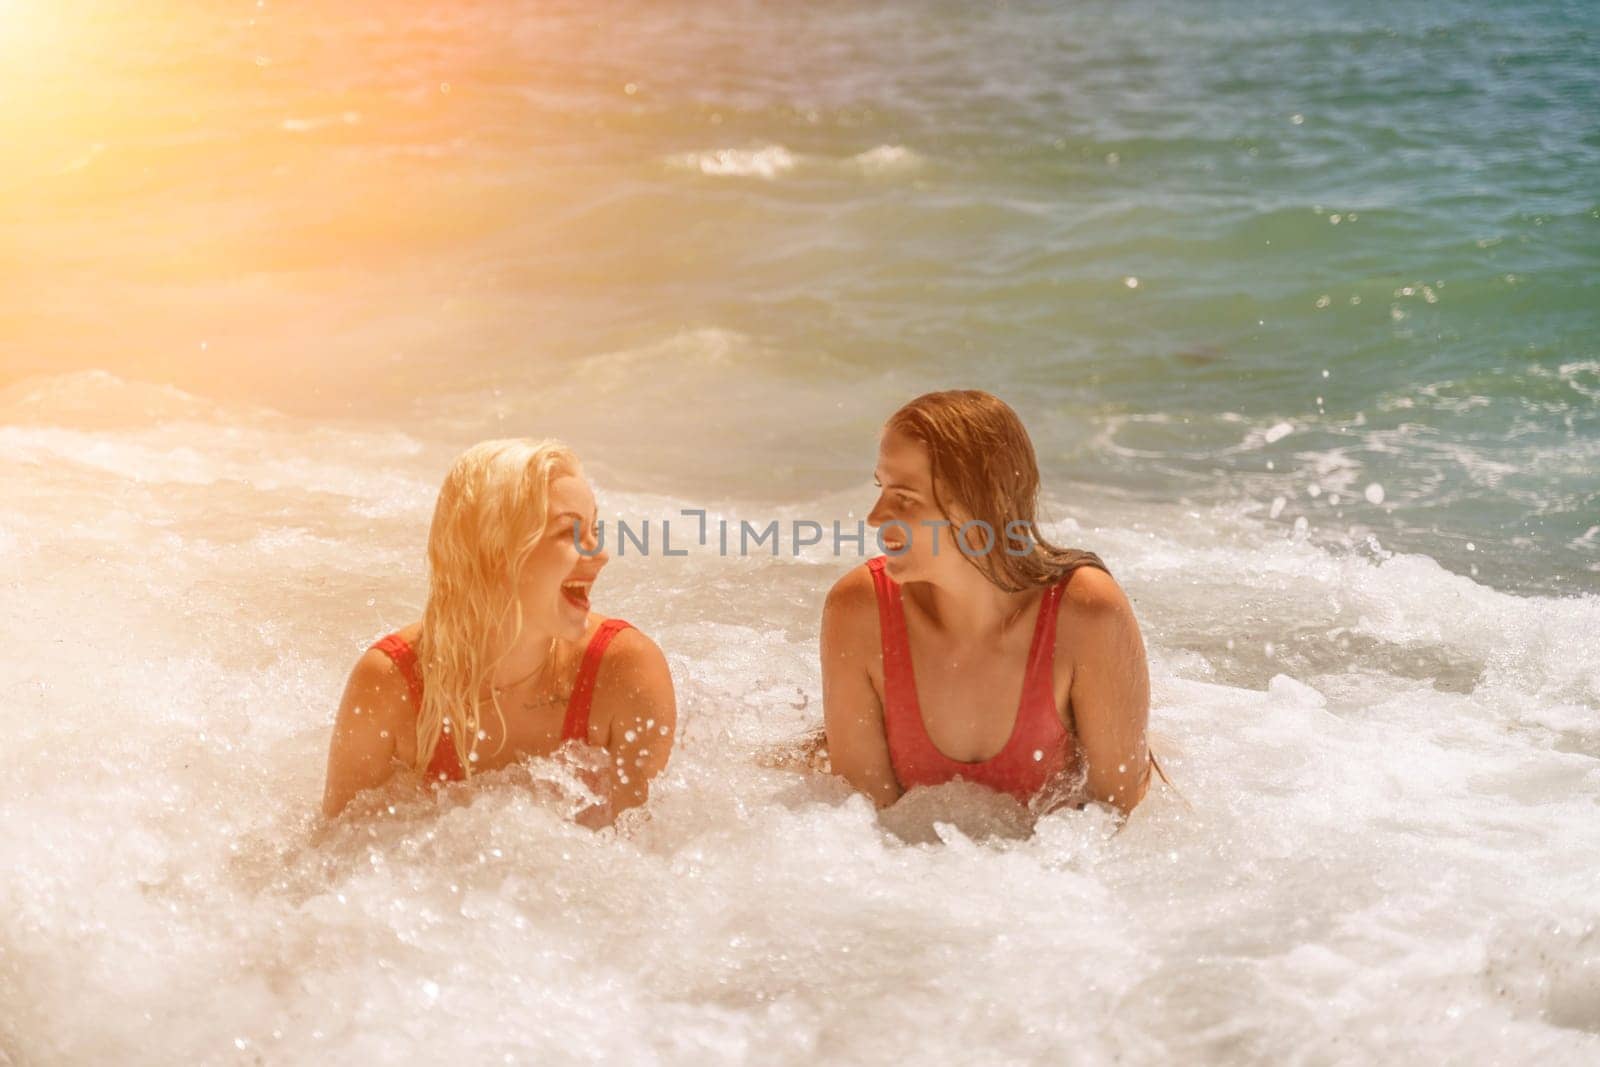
904, 476
553, 583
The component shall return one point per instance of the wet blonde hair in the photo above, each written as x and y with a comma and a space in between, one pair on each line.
490, 515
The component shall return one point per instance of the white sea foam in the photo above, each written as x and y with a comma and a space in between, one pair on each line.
1399, 794
313, 123
887, 159
774, 161
768, 162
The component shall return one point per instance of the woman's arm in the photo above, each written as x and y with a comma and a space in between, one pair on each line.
852, 714
634, 690
361, 754
1110, 694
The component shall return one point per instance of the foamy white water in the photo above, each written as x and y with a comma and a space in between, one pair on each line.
1391, 773
768, 162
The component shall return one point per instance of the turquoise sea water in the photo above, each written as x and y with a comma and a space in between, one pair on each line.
1161, 229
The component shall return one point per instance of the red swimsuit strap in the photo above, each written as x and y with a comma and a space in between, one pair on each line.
576, 725
899, 682
445, 764
404, 656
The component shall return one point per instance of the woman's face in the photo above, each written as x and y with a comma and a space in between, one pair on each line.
918, 547
555, 579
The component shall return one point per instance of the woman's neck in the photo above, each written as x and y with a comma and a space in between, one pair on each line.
523, 658
969, 607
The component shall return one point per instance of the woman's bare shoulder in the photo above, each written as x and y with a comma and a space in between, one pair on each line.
632, 649
852, 594
378, 682
1096, 618
1092, 592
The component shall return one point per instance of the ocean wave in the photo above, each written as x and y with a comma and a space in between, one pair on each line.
313, 123
766, 163
887, 159
775, 161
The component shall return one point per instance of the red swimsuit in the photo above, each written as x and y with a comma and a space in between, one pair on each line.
445, 764
1040, 746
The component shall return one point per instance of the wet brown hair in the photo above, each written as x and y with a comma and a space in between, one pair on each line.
983, 463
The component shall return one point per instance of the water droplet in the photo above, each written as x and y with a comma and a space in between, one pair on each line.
1313, 490
1322, 302
662, 731
1335, 219
1297, 119
1278, 504
630, 88
1270, 649
444, 87
1038, 755
630, 736
1131, 282
1471, 547
1374, 493
1324, 372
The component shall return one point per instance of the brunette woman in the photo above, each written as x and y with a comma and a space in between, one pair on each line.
975, 648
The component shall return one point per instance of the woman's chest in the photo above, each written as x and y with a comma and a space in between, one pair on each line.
970, 700
514, 730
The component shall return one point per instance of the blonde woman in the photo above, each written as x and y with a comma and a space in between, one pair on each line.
508, 660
